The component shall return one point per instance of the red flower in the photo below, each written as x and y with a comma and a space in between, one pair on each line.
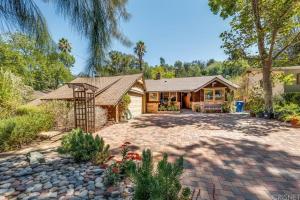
115, 170
133, 156
138, 157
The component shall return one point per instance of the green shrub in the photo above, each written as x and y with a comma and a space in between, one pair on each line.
13, 93
197, 108
82, 146
23, 129
186, 194
103, 154
142, 177
112, 175
123, 105
256, 101
172, 108
285, 111
163, 183
26, 110
162, 108
168, 108
62, 112
292, 97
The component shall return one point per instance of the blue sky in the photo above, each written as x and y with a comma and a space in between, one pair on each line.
172, 29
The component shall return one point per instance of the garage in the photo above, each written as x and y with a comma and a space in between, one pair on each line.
136, 104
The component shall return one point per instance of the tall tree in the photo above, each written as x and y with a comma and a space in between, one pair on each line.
64, 45
162, 61
140, 50
38, 69
97, 20
261, 24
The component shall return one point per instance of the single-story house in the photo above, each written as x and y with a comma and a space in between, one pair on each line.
109, 93
146, 95
206, 92
254, 78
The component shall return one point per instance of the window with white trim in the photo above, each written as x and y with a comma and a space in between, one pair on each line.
153, 96
208, 95
219, 94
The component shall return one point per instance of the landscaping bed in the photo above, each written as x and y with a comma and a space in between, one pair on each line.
58, 177
84, 168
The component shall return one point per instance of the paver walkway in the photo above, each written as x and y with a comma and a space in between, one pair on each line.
245, 158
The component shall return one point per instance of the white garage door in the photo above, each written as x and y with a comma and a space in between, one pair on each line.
135, 106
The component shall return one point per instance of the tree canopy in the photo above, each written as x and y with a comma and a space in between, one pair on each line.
96, 20
263, 31
140, 50
39, 69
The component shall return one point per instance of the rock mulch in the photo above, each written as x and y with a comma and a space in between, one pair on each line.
57, 178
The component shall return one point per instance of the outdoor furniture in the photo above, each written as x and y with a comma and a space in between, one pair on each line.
213, 107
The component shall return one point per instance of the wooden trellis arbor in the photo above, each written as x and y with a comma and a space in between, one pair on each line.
84, 106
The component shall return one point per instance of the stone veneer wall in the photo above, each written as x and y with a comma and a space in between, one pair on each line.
67, 122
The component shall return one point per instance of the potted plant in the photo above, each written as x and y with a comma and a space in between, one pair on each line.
259, 112
252, 113
268, 115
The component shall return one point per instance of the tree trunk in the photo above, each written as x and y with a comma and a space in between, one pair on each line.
267, 85
141, 64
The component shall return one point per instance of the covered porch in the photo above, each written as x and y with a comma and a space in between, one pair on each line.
209, 98
200, 94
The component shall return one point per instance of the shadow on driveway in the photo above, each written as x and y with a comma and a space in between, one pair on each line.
211, 121
239, 168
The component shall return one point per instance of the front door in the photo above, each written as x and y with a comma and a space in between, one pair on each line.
186, 100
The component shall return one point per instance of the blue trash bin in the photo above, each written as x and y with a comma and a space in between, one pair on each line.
239, 106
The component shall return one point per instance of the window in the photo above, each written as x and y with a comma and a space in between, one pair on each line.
153, 96
165, 97
298, 79
173, 96
208, 95
219, 94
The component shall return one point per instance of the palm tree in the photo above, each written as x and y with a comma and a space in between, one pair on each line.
26, 17
64, 45
97, 20
140, 50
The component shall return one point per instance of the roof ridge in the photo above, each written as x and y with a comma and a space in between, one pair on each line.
212, 76
112, 76
108, 86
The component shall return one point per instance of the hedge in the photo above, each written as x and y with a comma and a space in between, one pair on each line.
24, 128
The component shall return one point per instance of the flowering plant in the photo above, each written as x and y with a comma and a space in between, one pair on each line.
119, 168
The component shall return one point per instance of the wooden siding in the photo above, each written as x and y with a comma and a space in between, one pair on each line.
217, 84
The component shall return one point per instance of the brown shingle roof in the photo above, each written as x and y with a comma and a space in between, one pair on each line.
114, 93
110, 89
183, 84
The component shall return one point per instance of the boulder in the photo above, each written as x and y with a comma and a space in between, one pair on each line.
35, 158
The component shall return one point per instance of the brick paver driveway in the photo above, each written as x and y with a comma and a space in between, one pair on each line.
245, 158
